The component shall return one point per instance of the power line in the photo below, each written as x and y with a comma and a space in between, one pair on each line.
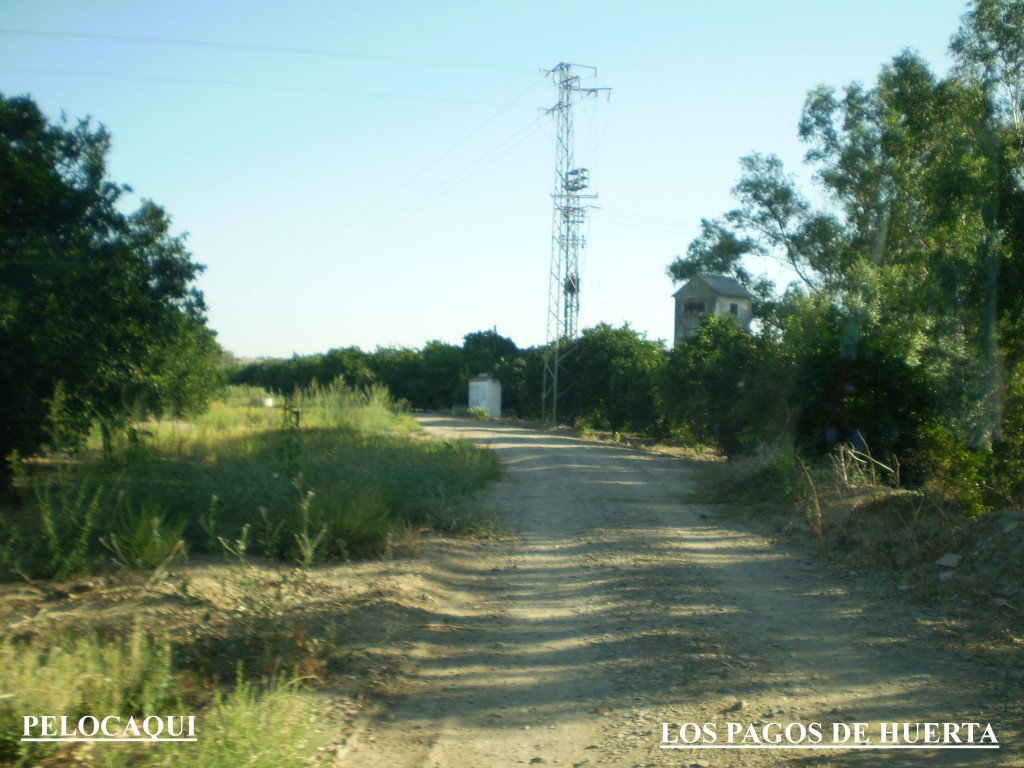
267, 49
643, 221
267, 86
435, 192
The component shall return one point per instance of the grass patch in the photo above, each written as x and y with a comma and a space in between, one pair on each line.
331, 474
328, 475
772, 476
78, 676
134, 677
271, 728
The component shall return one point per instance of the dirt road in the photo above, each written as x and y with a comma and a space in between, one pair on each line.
619, 604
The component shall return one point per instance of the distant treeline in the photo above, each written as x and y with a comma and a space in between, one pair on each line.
434, 377
615, 375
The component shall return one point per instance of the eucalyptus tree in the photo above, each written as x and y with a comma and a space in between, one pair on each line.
913, 264
990, 47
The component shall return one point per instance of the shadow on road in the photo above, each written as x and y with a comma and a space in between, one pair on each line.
618, 605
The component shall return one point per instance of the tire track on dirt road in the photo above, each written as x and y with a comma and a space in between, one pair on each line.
620, 604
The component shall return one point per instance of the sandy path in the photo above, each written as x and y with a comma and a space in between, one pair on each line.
620, 604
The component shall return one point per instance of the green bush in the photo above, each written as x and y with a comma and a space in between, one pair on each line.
770, 474
953, 469
274, 728
134, 676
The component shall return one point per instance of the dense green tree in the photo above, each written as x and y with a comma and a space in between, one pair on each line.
615, 371
989, 51
400, 369
183, 374
990, 47
351, 364
444, 376
727, 387
530, 378
88, 295
486, 351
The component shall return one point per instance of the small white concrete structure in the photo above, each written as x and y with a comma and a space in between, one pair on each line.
485, 392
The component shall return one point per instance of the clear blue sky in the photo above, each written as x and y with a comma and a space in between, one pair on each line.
379, 173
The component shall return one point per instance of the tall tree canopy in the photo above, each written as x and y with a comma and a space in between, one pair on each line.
98, 310
904, 328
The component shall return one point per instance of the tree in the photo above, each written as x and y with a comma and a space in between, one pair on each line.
487, 351
912, 274
444, 377
350, 363
615, 372
88, 295
400, 369
990, 47
184, 373
727, 387
718, 250
773, 220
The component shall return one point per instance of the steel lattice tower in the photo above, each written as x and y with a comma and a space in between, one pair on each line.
567, 240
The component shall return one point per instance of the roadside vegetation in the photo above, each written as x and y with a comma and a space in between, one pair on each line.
79, 676
331, 474
852, 506
861, 518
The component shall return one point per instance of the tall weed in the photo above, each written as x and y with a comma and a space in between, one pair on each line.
274, 728
69, 512
144, 536
307, 542
78, 676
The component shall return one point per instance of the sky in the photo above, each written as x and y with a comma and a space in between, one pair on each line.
379, 173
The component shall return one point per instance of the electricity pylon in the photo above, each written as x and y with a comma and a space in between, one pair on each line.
567, 240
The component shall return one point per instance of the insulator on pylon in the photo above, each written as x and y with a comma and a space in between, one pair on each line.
577, 179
